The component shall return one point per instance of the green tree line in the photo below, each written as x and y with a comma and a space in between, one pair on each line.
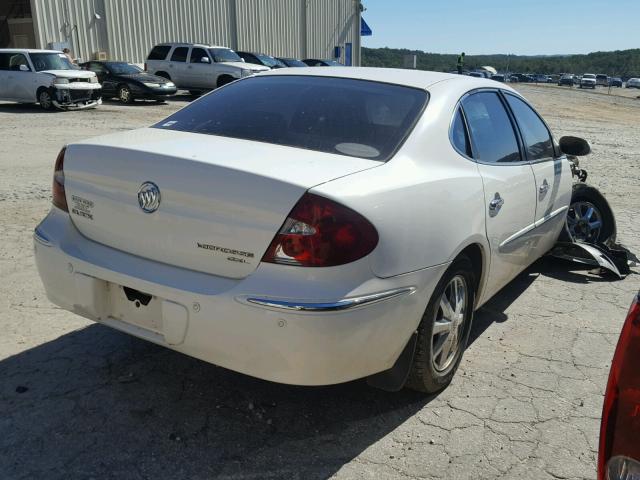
620, 63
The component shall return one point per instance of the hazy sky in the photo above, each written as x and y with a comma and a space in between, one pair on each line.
504, 26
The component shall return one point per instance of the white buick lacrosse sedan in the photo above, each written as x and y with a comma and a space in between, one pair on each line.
310, 226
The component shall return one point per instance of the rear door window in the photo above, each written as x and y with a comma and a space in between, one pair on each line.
492, 134
180, 54
534, 132
159, 52
337, 115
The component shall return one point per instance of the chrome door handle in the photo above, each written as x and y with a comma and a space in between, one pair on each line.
544, 187
495, 205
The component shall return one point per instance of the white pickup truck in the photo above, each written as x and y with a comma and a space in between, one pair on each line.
46, 77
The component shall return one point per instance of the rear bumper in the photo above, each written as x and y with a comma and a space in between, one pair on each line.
283, 324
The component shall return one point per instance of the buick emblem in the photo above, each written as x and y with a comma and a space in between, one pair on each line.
149, 197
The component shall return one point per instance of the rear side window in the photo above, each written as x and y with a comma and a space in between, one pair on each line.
159, 52
337, 115
5, 60
180, 54
534, 132
492, 134
459, 134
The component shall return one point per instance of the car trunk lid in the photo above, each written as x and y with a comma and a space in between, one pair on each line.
222, 200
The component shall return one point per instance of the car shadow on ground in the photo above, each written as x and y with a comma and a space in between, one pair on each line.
22, 108
99, 403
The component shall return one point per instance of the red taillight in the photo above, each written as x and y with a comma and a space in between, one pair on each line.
59, 198
321, 233
619, 454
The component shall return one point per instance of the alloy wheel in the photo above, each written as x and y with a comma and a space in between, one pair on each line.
584, 221
45, 100
448, 327
125, 95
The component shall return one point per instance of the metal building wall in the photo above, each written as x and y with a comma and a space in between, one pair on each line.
332, 23
71, 21
127, 29
136, 26
273, 27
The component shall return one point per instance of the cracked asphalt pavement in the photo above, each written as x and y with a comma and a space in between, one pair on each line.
81, 401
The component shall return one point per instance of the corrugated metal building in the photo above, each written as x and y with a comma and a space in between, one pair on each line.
128, 29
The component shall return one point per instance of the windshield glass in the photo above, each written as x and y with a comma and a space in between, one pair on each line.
268, 61
292, 62
123, 68
336, 115
224, 55
51, 61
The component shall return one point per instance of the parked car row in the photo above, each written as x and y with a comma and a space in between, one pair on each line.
587, 80
199, 67
48, 77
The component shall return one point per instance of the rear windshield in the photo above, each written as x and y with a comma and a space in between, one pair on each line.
337, 115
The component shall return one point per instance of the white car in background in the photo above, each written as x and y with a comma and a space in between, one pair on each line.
48, 78
588, 80
198, 67
633, 83
310, 226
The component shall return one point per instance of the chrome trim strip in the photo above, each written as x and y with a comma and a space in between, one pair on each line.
339, 305
517, 235
553, 214
534, 225
41, 238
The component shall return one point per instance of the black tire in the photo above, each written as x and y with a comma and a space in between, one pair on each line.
224, 80
124, 94
424, 376
163, 75
45, 99
586, 194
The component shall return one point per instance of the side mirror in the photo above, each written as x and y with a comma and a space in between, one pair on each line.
574, 146
205, 60
24, 68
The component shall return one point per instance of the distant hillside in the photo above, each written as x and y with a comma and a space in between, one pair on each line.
623, 63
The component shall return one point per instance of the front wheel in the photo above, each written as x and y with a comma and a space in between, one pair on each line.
444, 329
590, 218
45, 100
224, 80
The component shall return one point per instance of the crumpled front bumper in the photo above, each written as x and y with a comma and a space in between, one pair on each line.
77, 96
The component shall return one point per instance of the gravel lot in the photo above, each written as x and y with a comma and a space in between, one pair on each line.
78, 400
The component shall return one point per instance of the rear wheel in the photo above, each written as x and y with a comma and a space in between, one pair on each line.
45, 99
124, 94
444, 329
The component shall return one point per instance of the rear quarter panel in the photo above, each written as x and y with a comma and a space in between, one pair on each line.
427, 202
